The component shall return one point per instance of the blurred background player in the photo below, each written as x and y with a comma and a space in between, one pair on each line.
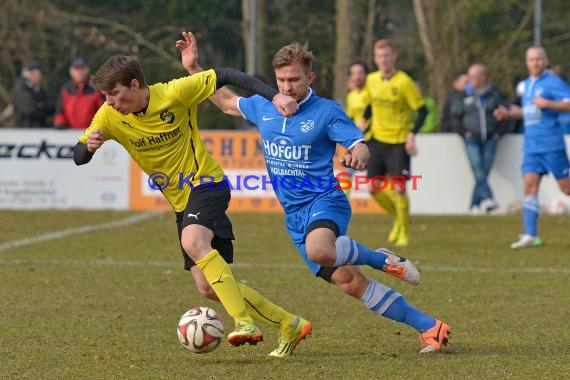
393, 96
317, 217
356, 103
544, 97
78, 101
163, 118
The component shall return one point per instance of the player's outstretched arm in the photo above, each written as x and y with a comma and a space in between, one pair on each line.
512, 113
559, 106
189, 53
224, 99
82, 153
227, 101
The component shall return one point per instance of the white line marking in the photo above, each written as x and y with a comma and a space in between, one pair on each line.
151, 263
77, 230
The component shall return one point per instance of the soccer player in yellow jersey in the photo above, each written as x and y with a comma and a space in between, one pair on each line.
357, 97
393, 95
157, 125
356, 102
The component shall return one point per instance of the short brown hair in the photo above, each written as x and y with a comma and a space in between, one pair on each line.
119, 69
384, 43
292, 53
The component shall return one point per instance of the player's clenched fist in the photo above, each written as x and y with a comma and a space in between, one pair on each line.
95, 140
285, 104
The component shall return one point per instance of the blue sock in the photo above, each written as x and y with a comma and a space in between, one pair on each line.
391, 304
349, 252
400, 310
530, 215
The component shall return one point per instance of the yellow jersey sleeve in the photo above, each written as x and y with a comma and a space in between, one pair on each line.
195, 89
413, 97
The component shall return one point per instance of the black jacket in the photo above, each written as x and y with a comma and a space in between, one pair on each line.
32, 106
475, 111
450, 122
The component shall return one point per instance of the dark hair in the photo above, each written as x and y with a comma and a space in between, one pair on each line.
458, 73
358, 63
119, 69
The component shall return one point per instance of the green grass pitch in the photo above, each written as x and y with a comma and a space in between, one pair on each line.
104, 304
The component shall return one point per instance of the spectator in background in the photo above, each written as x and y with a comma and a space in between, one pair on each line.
450, 123
78, 101
481, 132
432, 119
32, 106
544, 97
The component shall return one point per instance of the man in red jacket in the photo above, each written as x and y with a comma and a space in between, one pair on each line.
78, 101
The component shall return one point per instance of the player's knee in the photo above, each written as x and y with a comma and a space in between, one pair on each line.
194, 246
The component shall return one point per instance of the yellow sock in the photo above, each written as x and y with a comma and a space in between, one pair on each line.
403, 212
220, 276
385, 201
263, 310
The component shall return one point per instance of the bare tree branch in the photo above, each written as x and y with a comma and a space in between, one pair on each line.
116, 26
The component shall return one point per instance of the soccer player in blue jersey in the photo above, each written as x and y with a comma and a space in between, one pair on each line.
544, 97
298, 151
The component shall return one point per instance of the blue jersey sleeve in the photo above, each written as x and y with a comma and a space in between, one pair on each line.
341, 129
557, 90
249, 106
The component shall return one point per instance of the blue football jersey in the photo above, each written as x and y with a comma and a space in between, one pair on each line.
542, 128
299, 149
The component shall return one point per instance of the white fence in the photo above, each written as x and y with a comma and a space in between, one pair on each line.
37, 172
447, 182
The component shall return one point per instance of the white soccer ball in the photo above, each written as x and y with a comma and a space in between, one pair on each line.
200, 330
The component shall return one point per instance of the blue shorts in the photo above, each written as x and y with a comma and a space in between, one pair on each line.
332, 207
543, 163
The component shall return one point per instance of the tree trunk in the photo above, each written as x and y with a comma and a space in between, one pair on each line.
247, 38
435, 53
255, 45
261, 54
366, 48
346, 44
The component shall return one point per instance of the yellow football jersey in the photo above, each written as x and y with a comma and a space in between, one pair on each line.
165, 138
356, 103
392, 101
